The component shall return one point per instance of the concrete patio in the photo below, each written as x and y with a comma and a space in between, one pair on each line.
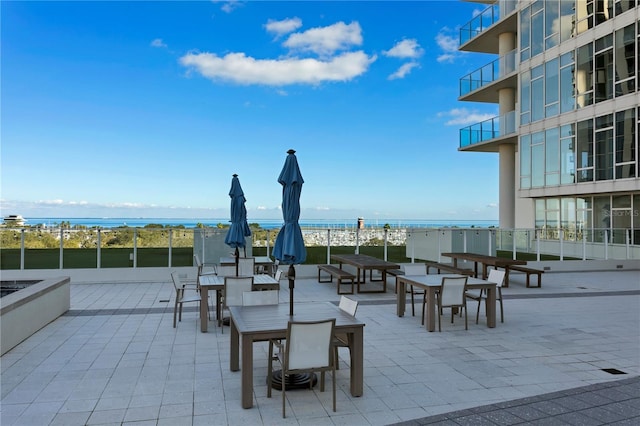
114, 358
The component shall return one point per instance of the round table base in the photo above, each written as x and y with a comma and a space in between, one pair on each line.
294, 381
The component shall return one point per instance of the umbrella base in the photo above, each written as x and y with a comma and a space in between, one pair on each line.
225, 321
294, 381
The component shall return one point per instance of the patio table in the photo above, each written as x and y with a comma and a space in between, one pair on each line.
216, 282
264, 261
431, 285
363, 262
251, 324
486, 260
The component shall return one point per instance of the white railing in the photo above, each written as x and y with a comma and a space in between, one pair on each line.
138, 247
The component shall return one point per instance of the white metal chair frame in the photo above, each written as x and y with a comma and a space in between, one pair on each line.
308, 348
414, 269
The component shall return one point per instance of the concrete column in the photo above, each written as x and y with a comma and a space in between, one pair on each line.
507, 212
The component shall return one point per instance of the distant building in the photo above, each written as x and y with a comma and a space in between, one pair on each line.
565, 79
14, 220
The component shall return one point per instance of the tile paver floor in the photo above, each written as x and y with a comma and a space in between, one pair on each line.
115, 359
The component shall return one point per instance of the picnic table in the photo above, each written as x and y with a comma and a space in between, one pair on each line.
363, 262
486, 260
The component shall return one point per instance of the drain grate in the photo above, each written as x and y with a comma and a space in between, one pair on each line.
582, 288
163, 301
613, 371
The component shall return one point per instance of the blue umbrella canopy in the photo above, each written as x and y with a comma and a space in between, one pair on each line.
289, 247
239, 228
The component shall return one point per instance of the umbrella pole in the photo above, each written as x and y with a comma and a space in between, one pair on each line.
292, 278
237, 260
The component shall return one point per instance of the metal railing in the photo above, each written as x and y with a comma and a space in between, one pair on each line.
486, 19
487, 130
488, 73
136, 247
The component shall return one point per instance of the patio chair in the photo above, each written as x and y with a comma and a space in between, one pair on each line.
234, 287
414, 269
204, 269
307, 349
451, 295
265, 297
181, 298
495, 276
341, 340
246, 266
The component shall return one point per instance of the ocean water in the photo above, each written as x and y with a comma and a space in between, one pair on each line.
115, 222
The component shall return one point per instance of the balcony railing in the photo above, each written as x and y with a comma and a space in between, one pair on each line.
487, 130
486, 19
24, 249
489, 73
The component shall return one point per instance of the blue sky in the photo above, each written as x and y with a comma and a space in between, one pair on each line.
147, 109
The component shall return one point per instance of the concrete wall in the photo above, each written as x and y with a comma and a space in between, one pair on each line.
26, 311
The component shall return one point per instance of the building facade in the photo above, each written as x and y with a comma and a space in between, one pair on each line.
564, 75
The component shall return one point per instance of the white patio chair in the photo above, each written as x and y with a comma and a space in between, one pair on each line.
341, 340
495, 276
451, 295
265, 297
234, 287
414, 269
307, 349
181, 297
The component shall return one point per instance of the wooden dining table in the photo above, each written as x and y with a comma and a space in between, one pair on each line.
485, 261
364, 263
216, 282
431, 285
251, 324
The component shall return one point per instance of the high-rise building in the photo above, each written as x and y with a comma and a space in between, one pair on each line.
565, 80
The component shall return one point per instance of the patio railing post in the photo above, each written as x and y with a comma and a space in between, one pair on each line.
538, 245
135, 247
328, 246
606, 244
513, 244
61, 262
357, 240
268, 237
561, 235
386, 236
627, 239
98, 250
22, 248
170, 237
440, 234
584, 245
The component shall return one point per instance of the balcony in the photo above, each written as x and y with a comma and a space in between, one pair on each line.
481, 33
487, 135
483, 84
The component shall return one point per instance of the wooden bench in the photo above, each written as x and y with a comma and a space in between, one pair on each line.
529, 272
339, 274
448, 268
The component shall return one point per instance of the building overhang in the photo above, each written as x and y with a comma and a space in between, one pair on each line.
491, 145
487, 40
489, 92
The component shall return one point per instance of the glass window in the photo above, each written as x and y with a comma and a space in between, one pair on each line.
635, 220
604, 147
584, 15
525, 97
584, 217
584, 153
567, 156
525, 21
537, 32
537, 160
603, 86
584, 76
602, 218
622, 6
620, 218
625, 61
567, 99
537, 86
552, 160
551, 88
626, 146
551, 23
525, 162
566, 20
540, 208
568, 218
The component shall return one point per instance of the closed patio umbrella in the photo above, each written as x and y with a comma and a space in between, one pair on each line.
289, 247
239, 228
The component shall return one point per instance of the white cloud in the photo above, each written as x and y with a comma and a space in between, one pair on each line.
326, 40
448, 43
408, 48
229, 6
261, 208
283, 27
462, 116
158, 43
242, 69
492, 205
403, 71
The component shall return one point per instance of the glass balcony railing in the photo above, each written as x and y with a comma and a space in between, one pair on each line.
31, 249
486, 19
489, 73
489, 129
